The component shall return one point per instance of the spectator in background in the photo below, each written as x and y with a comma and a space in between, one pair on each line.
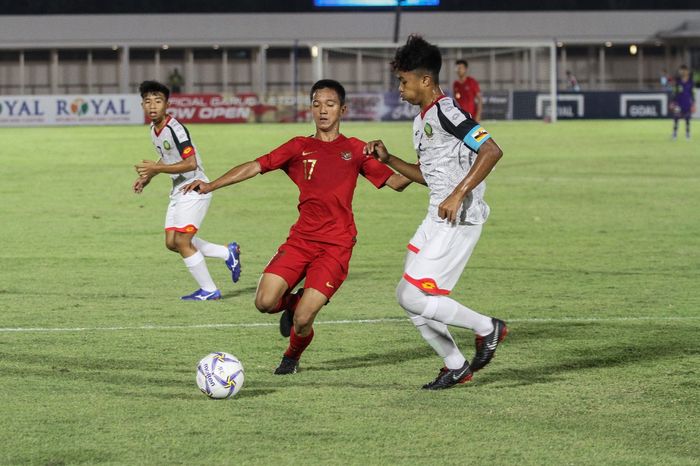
665, 80
467, 92
571, 82
176, 81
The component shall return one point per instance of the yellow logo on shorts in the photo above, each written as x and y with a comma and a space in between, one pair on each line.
428, 285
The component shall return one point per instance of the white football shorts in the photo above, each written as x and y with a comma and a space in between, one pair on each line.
438, 253
186, 212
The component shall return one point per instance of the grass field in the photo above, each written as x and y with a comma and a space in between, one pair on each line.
592, 255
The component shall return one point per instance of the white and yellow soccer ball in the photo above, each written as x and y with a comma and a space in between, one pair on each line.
220, 375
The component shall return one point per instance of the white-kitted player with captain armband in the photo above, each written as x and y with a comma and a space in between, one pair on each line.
455, 154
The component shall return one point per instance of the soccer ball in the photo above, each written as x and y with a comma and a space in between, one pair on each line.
220, 375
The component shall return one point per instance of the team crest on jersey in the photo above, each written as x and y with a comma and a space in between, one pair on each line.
346, 155
428, 130
166, 145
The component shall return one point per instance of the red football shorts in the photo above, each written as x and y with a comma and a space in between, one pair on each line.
324, 265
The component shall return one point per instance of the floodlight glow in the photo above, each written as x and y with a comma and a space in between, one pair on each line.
633, 49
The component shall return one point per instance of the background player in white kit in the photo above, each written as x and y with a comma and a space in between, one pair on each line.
180, 159
447, 142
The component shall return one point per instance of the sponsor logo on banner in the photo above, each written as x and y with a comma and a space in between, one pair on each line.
568, 105
364, 107
19, 109
215, 108
70, 110
643, 105
96, 109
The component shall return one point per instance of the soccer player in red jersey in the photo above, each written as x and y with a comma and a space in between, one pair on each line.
467, 92
325, 168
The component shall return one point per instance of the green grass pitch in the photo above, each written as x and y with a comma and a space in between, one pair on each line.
591, 254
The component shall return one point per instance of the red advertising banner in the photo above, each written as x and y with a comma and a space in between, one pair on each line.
216, 108
249, 108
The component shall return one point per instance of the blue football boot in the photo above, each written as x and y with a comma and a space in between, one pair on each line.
234, 261
201, 295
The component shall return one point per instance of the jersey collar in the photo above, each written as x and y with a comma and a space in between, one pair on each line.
423, 112
156, 131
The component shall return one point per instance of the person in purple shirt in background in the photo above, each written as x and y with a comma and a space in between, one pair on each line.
683, 101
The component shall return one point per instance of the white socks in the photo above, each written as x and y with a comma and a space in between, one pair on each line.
200, 272
441, 309
210, 249
438, 336
431, 315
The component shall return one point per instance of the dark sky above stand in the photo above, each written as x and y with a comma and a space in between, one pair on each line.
31, 7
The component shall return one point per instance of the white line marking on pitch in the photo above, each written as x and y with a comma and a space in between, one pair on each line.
534, 320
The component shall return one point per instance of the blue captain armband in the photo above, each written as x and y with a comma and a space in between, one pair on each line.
476, 137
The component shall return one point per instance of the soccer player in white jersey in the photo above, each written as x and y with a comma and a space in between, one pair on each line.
455, 154
179, 157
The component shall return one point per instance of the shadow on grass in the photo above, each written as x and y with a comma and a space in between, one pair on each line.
375, 359
238, 291
625, 354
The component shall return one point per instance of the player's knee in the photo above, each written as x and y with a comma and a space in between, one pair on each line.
171, 245
303, 324
410, 298
264, 303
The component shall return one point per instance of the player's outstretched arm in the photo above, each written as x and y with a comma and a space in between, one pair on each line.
397, 182
489, 155
235, 175
411, 171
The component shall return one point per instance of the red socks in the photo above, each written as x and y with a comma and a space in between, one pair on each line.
298, 344
288, 301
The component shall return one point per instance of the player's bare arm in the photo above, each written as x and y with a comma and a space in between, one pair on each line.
479, 106
489, 155
140, 183
411, 171
397, 182
235, 175
150, 168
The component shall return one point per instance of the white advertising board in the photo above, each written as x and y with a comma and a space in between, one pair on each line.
76, 109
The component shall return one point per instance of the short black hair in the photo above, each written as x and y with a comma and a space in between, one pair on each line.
462, 62
329, 84
418, 54
150, 87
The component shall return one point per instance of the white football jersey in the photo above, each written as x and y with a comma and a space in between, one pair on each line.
447, 140
173, 145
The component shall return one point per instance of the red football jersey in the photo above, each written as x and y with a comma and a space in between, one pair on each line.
465, 93
326, 175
